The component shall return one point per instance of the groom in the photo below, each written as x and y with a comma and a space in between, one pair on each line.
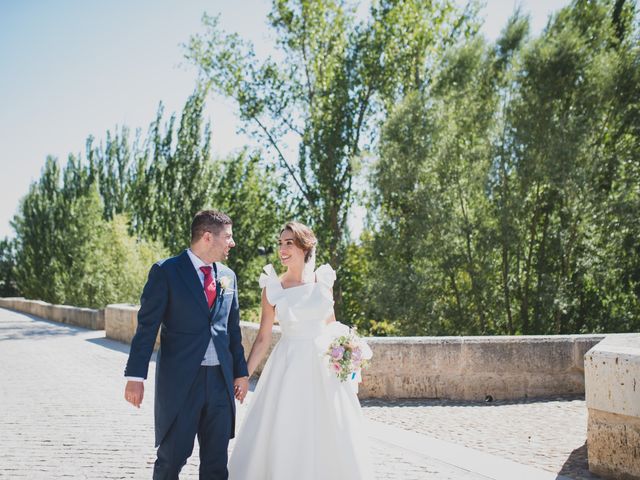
193, 300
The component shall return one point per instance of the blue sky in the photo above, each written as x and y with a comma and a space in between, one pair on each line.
71, 68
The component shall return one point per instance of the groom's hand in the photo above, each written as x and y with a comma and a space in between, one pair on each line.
134, 392
240, 388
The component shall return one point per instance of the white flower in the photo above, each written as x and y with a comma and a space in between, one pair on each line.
225, 282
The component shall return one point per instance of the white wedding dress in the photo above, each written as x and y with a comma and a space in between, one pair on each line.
303, 423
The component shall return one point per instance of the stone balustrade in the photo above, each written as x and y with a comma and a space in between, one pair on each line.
464, 368
477, 368
80, 317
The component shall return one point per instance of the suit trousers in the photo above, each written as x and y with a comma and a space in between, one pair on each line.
206, 413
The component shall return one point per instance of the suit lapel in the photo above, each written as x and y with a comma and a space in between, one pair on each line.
190, 277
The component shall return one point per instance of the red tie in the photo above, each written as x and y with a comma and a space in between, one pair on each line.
209, 285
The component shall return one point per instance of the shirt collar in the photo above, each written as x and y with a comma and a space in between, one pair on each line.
197, 261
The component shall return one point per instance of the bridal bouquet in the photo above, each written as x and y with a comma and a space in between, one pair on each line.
347, 355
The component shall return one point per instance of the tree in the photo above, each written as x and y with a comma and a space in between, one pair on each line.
563, 136
114, 265
8, 287
70, 228
39, 242
504, 191
430, 193
336, 77
67, 253
175, 177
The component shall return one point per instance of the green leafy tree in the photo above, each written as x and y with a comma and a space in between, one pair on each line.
8, 287
177, 182
175, 177
40, 241
504, 190
430, 191
334, 78
115, 265
67, 252
562, 137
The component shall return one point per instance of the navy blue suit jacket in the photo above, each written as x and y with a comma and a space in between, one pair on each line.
173, 301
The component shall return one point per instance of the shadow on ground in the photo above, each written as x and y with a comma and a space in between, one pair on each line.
436, 402
23, 326
577, 465
115, 345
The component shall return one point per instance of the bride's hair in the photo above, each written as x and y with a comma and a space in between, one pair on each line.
303, 237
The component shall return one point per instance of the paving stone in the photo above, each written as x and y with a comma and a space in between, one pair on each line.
63, 415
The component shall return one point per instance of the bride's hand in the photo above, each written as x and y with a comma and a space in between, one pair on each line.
240, 388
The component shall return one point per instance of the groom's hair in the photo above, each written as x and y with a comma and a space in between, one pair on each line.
208, 221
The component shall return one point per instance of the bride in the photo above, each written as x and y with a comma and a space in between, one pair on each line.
303, 422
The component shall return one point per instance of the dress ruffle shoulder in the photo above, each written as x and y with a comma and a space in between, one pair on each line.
326, 275
269, 280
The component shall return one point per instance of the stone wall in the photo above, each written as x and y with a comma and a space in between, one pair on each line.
80, 317
120, 322
463, 368
612, 373
473, 368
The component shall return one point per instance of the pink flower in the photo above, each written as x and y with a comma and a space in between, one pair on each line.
337, 352
347, 355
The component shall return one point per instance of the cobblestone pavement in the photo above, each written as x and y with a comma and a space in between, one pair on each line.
62, 415
549, 434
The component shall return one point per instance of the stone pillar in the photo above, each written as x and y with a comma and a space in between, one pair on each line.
612, 391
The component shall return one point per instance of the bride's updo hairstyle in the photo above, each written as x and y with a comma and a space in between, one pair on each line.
303, 238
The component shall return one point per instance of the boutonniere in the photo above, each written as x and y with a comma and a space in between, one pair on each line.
225, 282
